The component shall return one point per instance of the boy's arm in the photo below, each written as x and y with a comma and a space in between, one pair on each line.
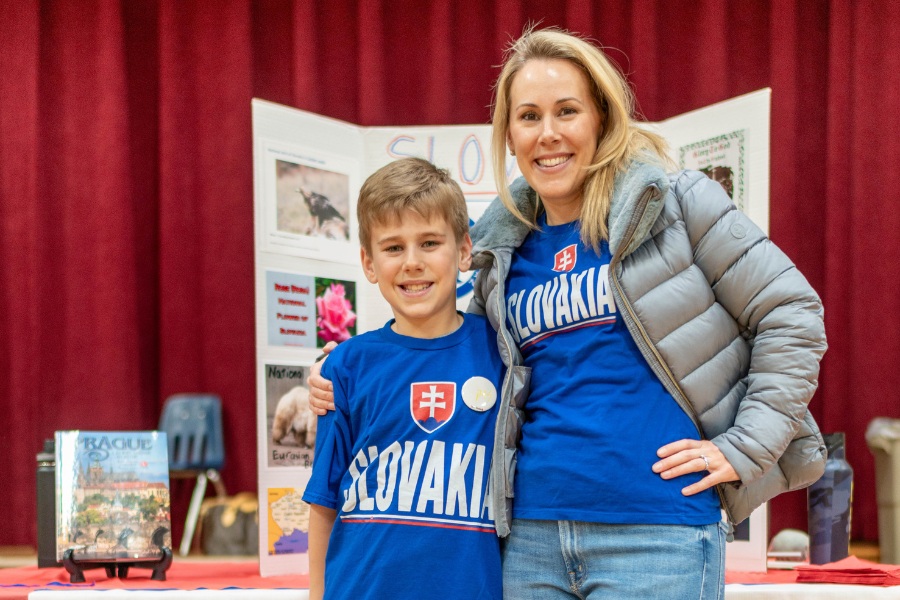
321, 521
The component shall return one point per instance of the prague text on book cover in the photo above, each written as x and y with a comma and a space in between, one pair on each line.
112, 495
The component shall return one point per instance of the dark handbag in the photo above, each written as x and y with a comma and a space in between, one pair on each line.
230, 526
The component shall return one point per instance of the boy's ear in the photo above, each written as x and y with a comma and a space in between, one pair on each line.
368, 266
465, 253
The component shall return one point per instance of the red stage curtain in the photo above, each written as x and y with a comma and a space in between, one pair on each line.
126, 254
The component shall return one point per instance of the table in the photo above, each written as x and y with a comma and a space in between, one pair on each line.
239, 579
808, 591
186, 578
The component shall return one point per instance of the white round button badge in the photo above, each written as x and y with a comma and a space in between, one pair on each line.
479, 393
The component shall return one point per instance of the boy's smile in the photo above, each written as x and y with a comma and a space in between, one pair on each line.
415, 262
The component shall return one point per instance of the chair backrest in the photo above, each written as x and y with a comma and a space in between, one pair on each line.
193, 425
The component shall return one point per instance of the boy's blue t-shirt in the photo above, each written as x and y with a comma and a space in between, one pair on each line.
406, 463
596, 413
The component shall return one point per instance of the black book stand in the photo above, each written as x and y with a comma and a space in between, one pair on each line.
76, 567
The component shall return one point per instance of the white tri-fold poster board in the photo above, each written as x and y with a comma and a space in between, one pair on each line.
310, 288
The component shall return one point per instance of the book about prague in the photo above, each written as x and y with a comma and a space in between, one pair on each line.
112, 495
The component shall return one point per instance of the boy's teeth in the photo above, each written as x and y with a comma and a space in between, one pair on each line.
552, 162
416, 288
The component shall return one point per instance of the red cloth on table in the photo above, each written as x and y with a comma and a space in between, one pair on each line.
16, 583
772, 576
850, 570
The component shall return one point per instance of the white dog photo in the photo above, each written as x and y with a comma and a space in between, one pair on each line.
294, 422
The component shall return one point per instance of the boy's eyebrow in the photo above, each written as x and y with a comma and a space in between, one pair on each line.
420, 234
385, 240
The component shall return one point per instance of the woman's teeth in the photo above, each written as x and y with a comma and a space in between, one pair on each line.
552, 162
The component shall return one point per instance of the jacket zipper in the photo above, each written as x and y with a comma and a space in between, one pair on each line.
501, 309
639, 334
504, 410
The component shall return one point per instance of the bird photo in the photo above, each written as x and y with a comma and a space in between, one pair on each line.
312, 202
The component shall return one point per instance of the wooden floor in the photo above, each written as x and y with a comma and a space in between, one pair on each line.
865, 551
17, 556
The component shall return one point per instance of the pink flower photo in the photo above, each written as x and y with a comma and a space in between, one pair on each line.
335, 319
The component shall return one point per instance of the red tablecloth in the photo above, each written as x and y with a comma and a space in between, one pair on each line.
17, 583
773, 576
850, 570
182, 575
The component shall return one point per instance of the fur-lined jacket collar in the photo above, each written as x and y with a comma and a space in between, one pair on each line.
498, 228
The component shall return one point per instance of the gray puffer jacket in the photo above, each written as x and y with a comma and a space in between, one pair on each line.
726, 321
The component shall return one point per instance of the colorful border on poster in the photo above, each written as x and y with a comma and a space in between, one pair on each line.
722, 159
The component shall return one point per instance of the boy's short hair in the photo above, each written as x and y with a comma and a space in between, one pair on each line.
410, 184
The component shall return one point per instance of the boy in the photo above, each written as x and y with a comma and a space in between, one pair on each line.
400, 501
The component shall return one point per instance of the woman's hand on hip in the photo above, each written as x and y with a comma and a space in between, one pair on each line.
694, 456
321, 392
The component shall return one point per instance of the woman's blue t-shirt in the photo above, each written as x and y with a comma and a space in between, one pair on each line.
596, 413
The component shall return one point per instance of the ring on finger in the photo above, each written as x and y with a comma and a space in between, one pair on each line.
705, 461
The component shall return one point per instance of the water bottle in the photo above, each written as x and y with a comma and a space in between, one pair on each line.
46, 505
830, 500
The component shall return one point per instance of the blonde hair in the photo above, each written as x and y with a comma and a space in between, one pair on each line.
621, 139
410, 184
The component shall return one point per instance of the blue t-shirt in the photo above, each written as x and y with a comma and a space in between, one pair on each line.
406, 463
596, 414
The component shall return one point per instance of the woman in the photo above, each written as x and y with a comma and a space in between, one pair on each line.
672, 348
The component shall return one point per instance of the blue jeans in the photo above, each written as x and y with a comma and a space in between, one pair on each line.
545, 560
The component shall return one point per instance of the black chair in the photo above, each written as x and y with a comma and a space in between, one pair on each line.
193, 426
